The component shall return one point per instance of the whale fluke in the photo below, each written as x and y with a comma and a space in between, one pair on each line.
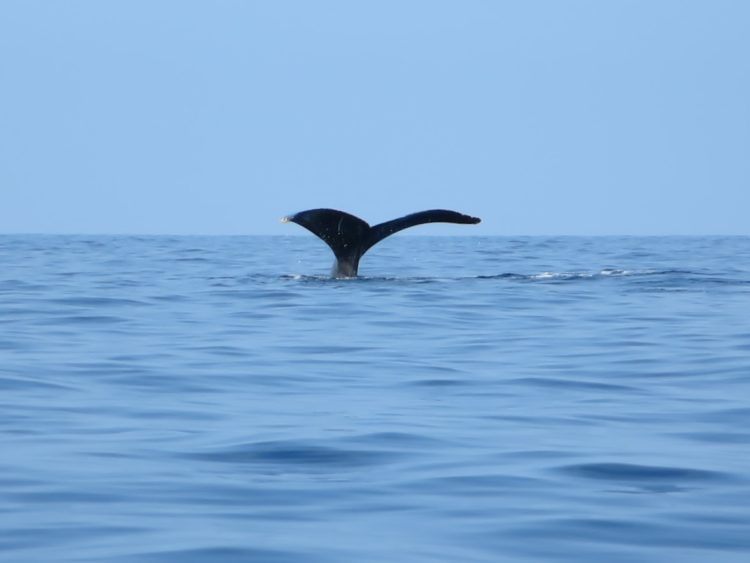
350, 237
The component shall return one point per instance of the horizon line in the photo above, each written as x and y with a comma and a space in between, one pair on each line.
301, 235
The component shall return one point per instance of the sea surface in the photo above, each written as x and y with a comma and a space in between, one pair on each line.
479, 399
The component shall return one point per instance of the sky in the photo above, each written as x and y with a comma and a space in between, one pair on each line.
542, 117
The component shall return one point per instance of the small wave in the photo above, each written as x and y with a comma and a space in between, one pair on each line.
368, 279
192, 259
21, 285
556, 383
506, 276
96, 301
716, 437
441, 382
629, 472
297, 455
652, 279
309, 278
256, 294
735, 417
395, 439
86, 320
475, 485
26, 383
561, 276
543, 276
720, 539
605, 273
670, 276
223, 554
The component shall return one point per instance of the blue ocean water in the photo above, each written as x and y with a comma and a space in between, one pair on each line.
190, 399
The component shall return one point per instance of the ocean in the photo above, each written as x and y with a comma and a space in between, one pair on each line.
467, 399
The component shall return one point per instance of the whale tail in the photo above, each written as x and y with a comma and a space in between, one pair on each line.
349, 237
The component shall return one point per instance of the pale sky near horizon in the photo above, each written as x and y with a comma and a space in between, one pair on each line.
542, 117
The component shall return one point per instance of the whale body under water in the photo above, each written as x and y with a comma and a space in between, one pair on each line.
349, 237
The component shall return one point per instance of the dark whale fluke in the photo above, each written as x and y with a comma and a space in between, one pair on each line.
350, 237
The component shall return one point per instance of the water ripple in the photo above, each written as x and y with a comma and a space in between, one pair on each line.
466, 399
294, 455
627, 472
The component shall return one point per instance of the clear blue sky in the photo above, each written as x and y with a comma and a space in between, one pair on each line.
218, 117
